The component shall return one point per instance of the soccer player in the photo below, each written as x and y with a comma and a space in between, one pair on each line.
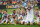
14, 15
29, 17
9, 19
5, 16
20, 14
1, 16
24, 15
39, 18
37, 15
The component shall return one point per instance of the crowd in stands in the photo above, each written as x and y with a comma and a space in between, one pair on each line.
20, 2
15, 1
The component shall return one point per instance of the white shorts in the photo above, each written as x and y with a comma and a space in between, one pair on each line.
22, 21
29, 20
6, 20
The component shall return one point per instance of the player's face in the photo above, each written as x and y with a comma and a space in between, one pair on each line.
14, 11
26, 12
36, 11
5, 12
29, 4
0, 11
23, 11
19, 10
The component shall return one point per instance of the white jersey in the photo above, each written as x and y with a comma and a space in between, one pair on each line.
30, 15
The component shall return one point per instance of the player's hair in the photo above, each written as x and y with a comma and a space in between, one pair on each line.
5, 10
20, 8
13, 10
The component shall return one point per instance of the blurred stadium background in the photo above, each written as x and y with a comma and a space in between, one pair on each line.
10, 4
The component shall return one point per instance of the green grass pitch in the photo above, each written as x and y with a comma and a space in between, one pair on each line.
18, 25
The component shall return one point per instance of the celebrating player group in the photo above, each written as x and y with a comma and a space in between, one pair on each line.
21, 16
